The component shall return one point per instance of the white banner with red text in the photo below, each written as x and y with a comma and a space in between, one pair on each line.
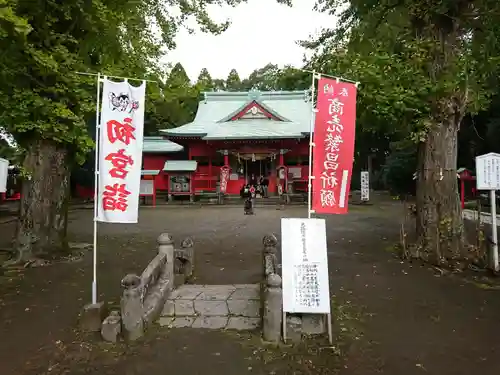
120, 152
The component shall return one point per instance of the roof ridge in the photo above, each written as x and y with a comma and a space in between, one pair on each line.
241, 95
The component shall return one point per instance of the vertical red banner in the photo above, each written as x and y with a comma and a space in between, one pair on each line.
224, 177
333, 152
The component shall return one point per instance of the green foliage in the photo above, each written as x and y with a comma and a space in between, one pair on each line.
270, 77
205, 81
419, 63
177, 103
233, 81
391, 48
44, 43
400, 167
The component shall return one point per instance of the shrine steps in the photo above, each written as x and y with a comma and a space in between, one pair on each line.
233, 307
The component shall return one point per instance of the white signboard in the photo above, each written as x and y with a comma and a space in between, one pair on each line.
120, 152
4, 172
305, 266
365, 186
488, 172
147, 187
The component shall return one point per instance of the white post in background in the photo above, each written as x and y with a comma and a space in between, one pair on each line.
96, 186
488, 178
494, 235
311, 145
4, 173
365, 186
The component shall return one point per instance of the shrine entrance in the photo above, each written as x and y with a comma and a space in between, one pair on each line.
255, 161
257, 168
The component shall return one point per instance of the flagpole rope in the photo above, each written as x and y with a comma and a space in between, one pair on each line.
329, 76
118, 77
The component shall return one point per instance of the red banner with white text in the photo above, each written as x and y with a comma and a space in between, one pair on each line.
333, 153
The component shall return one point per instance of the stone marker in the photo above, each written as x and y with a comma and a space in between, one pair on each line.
294, 328
111, 327
92, 317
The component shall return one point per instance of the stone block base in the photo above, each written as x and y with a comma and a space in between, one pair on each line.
93, 316
314, 324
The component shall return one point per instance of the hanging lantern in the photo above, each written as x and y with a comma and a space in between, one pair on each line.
253, 157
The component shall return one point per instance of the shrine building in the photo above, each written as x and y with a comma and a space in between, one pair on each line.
251, 133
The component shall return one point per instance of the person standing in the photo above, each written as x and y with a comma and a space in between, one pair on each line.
253, 180
252, 196
265, 185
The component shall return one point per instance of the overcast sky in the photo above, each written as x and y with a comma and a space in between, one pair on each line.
262, 31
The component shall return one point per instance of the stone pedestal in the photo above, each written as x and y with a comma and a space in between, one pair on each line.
273, 301
92, 317
111, 327
132, 308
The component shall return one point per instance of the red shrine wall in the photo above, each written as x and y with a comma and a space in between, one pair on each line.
209, 163
157, 162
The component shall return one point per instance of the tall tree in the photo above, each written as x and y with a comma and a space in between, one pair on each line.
219, 84
204, 81
233, 81
45, 105
290, 78
423, 65
179, 100
263, 79
178, 78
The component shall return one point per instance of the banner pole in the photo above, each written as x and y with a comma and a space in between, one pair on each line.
96, 188
311, 144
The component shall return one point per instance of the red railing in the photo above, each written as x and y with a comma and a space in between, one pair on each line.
204, 182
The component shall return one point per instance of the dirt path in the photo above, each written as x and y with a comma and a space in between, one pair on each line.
412, 321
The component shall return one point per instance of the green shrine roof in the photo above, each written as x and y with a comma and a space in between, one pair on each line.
150, 172
159, 145
180, 166
291, 110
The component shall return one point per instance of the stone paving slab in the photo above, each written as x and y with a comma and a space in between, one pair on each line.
184, 307
251, 292
234, 307
210, 322
242, 323
242, 307
211, 308
186, 292
217, 293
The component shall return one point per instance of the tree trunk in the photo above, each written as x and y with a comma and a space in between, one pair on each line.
43, 216
439, 216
